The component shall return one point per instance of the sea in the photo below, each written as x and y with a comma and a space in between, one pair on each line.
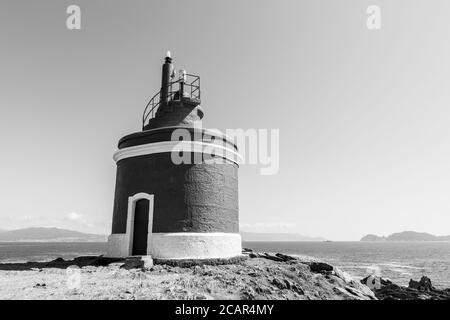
397, 261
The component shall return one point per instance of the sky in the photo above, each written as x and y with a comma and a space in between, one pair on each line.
362, 114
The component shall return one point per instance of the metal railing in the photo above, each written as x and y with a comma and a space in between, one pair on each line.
188, 88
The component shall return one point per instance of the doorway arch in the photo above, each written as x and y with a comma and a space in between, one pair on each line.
131, 220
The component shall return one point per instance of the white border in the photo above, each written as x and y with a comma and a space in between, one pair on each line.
175, 146
182, 245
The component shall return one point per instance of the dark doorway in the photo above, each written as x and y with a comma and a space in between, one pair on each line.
140, 231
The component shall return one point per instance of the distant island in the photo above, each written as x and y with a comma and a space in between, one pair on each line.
405, 236
49, 235
250, 236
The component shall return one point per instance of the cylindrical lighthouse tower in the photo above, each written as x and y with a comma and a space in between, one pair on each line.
176, 191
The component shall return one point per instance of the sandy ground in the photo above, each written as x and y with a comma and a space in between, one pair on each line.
257, 278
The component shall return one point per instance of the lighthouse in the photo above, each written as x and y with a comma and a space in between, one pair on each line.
176, 196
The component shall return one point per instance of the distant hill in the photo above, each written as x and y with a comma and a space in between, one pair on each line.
50, 235
406, 236
250, 236
372, 237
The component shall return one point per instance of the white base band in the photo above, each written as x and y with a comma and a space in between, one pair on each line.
195, 245
118, 245
183, 245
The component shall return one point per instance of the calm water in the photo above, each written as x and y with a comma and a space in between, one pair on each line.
45, 251
397, 261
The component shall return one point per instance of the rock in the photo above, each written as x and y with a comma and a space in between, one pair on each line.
382, 281
104, 261
56, 263
417, 290
207, 273
424, 284
355, 292
342, 275
298, 290
148, 262
144, 262
133, 263
252, 255
157, 268
262, 290
285, 258
270, 257
197, 270
320, 267
247, 294
288, 284
352, 293
279, 284
395, 292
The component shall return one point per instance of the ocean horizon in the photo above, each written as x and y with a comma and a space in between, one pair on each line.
397, 261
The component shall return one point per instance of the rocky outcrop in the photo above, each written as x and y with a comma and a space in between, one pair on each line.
321, 267
254, 276
423, 285
423, 289
340, 285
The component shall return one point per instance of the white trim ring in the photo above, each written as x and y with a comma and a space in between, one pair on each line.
176, 146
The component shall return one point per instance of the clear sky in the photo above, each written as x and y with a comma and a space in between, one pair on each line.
363, 115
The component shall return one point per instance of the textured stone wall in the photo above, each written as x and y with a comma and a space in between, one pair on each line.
187, 198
